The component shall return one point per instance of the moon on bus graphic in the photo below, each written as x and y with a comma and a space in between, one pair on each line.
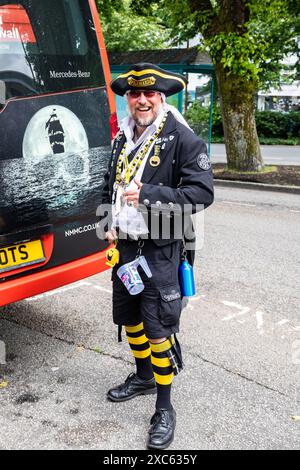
56, 132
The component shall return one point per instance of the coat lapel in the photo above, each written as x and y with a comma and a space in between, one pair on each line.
149, 170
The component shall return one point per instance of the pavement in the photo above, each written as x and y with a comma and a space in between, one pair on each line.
272, 154
258, 186
240, 336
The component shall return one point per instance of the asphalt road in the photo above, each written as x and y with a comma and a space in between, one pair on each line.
272, 154
240, 337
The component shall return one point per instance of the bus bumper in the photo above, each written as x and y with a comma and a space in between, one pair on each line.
34, 284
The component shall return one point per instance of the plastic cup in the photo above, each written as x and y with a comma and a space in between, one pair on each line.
131, 279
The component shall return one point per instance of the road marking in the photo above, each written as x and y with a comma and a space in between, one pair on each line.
103, 289
283, 322
260, 322
259, 317
189, 306
297, 212
243, 310
238, 203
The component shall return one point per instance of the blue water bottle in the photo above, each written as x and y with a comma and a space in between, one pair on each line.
187, 279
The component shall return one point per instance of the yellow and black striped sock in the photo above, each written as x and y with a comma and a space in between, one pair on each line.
163, 373
141, 351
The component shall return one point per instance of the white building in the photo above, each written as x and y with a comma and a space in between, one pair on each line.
285, 99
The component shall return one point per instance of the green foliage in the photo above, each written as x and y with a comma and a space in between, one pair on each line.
276, 141
198, 117
265, 141
125, 30
105, 8
272, 24
240, 55
278, 125
270, 124
248, 38
197, 113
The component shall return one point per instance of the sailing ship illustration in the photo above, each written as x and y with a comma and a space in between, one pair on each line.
56, 133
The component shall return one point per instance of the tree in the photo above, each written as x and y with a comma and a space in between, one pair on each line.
246, 40
293, 7
126, 31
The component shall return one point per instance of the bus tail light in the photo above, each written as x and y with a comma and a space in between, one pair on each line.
114, 127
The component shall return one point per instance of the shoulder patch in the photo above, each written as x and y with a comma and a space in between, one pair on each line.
203, 161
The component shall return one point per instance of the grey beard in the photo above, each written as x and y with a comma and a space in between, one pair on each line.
144, 122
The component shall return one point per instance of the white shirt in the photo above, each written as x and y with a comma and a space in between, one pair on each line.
130, 220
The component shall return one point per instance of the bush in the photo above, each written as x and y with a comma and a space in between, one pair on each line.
270, 124
197, 113
294, 126
217, 128
278, 125
198, 117
265, 141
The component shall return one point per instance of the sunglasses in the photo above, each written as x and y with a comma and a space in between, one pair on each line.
137, 93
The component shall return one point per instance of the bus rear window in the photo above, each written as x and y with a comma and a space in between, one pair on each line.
47, 47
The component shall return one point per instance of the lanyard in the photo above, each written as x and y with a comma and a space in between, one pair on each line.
126, 171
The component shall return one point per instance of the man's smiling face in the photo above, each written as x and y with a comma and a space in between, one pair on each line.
144, 106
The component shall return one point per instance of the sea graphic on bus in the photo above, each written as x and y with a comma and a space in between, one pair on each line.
52, 170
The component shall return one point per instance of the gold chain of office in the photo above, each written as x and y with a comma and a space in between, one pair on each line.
126, 171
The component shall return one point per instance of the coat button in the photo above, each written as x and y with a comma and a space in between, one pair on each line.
146, 202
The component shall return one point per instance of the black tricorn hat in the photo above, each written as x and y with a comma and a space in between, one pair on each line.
145, 76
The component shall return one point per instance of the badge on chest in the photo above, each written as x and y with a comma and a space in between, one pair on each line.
155, 160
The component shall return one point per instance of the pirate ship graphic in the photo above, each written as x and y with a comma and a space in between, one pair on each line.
56, 134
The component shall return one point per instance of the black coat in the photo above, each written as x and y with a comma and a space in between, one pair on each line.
184, 175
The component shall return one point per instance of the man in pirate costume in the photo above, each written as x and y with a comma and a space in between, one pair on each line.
157, 162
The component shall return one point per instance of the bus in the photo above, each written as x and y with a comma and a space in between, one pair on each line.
57, 120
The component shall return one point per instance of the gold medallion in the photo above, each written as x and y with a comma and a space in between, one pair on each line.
155, 161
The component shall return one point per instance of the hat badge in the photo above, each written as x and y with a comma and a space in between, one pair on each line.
145, 82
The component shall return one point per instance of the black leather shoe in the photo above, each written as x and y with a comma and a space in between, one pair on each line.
161, 433
132, 387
